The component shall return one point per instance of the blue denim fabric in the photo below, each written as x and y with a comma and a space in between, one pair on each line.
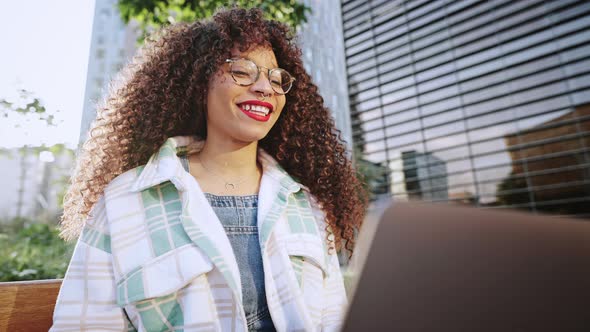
238, 215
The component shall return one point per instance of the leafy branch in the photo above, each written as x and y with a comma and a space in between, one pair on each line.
153, 14
27, 108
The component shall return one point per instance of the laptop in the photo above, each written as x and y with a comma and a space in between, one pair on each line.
434, 267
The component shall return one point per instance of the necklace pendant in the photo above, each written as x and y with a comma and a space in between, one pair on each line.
230, 186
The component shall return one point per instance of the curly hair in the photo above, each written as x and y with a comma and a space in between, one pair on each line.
162, 94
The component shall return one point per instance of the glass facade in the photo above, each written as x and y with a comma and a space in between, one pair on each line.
479, 102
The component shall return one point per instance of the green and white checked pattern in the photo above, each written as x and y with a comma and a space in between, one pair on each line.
154, 257
163, 210
161, 312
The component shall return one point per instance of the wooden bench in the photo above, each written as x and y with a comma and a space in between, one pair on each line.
27, 305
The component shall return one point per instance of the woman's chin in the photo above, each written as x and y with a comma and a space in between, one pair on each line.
247, 138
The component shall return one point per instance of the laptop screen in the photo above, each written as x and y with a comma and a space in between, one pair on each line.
433, 267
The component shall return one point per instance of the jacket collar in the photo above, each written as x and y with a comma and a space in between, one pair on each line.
165, 165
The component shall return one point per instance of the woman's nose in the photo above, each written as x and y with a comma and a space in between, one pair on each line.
262, 85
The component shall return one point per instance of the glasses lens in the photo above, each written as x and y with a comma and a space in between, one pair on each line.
280, 80
244, 71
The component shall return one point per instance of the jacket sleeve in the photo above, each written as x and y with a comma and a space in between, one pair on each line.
336, 302
87, 299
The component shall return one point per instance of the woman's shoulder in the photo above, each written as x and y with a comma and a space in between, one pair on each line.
162, 167
123, 182
309, 195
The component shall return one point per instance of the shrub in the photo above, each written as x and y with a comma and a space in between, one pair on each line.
34, 252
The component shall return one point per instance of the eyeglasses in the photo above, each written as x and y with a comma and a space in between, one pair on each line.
245, 72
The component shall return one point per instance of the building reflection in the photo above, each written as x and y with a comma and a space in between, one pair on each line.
425, 176
482, 107
375, 176
550, 166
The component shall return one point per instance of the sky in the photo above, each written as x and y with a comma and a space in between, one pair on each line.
44, 47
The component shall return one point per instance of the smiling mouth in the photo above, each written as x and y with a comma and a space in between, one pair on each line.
256, 109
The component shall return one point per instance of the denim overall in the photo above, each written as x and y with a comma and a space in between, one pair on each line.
238, 215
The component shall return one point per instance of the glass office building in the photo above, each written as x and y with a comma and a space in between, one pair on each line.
480, 102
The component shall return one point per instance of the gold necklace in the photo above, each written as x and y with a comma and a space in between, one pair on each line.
229, 185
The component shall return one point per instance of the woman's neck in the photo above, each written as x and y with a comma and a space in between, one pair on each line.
226, 169
230, 159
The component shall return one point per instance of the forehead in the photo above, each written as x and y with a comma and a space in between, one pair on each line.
261, 55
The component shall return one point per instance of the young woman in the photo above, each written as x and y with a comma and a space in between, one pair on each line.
212, 192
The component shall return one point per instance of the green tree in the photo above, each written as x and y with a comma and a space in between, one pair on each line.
153, 14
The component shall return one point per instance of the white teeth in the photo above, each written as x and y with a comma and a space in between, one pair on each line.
256, 108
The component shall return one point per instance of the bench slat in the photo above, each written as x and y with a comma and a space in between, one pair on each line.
28, 305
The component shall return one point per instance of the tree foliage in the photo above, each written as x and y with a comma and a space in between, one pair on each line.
153, 14
27, 108
23, 112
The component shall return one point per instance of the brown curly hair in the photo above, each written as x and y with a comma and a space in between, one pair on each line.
162, 94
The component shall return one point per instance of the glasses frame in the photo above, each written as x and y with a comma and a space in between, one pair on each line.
268, 72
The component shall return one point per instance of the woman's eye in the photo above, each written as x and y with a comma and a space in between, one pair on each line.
240, 73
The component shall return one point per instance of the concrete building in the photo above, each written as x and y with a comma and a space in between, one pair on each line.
112, 45
322, 44
453, 79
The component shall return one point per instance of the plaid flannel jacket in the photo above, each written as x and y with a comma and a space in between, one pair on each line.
154, 257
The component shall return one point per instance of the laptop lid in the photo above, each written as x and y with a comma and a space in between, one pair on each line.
433, 267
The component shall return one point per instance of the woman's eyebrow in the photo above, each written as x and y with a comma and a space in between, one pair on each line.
233, 56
